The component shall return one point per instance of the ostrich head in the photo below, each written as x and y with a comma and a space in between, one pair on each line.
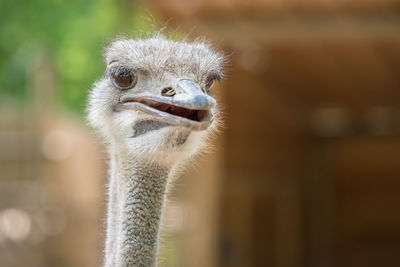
155, 98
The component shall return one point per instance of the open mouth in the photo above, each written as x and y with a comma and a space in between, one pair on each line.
172, 113
190, 114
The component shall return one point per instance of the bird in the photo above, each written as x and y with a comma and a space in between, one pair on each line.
155, 110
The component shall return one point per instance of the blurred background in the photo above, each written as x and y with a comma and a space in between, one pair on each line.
306, 172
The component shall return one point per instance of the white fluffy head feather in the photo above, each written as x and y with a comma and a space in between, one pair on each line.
156, 61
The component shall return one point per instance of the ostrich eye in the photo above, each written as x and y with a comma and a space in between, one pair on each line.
210, 81
124, 79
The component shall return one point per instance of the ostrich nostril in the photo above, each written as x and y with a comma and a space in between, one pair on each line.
168, 91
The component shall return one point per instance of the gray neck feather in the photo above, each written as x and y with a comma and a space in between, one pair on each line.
136, 197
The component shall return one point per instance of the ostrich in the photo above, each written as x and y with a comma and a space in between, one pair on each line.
154, 109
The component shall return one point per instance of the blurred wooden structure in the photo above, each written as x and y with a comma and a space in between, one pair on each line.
309, 174
50, 182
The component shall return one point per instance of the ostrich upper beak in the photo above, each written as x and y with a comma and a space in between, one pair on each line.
191, 96
186, 105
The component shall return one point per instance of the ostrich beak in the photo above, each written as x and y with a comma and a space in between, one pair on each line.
190, 95
185, 105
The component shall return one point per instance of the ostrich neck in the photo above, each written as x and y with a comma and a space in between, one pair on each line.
136, 196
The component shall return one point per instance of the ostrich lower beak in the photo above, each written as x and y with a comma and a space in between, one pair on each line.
189, 106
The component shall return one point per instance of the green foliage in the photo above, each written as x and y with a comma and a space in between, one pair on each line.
71, 32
